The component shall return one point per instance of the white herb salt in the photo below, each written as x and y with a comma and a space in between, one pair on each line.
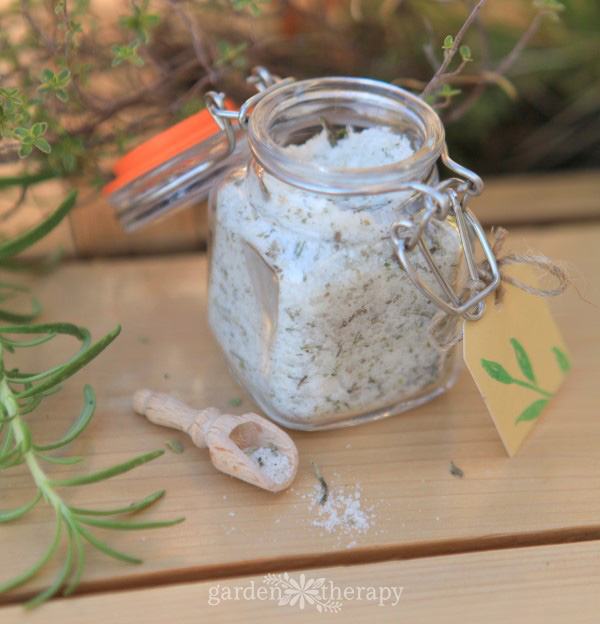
307, 299
272, 463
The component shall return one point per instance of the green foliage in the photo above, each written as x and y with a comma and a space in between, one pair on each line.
141, 22
254, 6
127, 53
56, 83
32, 137
22, 392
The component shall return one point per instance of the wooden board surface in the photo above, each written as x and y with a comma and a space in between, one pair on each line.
92, 229
548, 493
539, 585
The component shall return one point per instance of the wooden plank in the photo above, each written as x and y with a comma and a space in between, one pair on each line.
541, 585
92, 229
549, 492
539, 198
97, 232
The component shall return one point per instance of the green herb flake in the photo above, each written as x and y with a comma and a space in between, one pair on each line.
175, 446
321, 480
235, 402
455, 471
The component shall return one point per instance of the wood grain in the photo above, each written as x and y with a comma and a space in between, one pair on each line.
541, 585
548, 493
92, 229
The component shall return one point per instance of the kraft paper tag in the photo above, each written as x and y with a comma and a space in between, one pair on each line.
517, 358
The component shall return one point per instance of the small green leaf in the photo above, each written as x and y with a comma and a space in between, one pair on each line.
21, 242
42, 145
496, 371
58, 581
561, 359
14, 317
448, 42
145, 502
523, 359
36, 567
175, 446
25, 150
75, 365
38, 129
61, 94
532, 411
465, 53
130, 526
87, 411
107, 473
8, 516
47, 75
107, 550
28, 179
60, 460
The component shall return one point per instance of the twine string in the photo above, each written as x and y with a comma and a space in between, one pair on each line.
446, 329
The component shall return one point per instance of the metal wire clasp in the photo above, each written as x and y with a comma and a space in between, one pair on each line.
264, 81
448, 197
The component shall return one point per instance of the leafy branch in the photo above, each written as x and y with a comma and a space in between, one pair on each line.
21, 393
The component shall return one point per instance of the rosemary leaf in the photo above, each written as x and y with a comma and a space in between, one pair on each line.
145, 502
79, 547
74, 365
59, 460
14, 317
36, 567
130, 526
13, 514
89, 406
21, 242
107, 550
109, 472
60, 579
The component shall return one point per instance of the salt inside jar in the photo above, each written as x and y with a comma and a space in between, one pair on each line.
307, 299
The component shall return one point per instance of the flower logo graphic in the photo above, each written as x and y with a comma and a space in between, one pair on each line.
302, 592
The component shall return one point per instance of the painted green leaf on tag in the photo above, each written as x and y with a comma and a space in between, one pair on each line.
496, 371
523, 359
561, 359
531, 412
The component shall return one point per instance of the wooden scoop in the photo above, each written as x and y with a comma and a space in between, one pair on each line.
226, 436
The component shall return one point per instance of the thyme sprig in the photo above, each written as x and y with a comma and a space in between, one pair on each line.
21, 393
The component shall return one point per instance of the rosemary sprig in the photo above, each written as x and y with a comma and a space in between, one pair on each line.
20, 394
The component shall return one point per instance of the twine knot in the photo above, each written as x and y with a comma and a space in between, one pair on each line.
446, 329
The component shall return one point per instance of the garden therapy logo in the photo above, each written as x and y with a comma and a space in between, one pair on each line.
304, 592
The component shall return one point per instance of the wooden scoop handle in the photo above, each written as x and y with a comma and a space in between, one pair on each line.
165, 410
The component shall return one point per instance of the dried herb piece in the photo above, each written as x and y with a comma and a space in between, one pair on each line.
456, 471
324, 486
235, 402
333, 134
175, 446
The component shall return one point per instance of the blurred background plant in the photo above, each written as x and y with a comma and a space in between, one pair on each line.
79, 86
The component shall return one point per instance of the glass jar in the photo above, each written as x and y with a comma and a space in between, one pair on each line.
325, 187
307, 299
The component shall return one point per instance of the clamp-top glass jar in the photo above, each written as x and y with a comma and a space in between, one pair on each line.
317, 318
312, 293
